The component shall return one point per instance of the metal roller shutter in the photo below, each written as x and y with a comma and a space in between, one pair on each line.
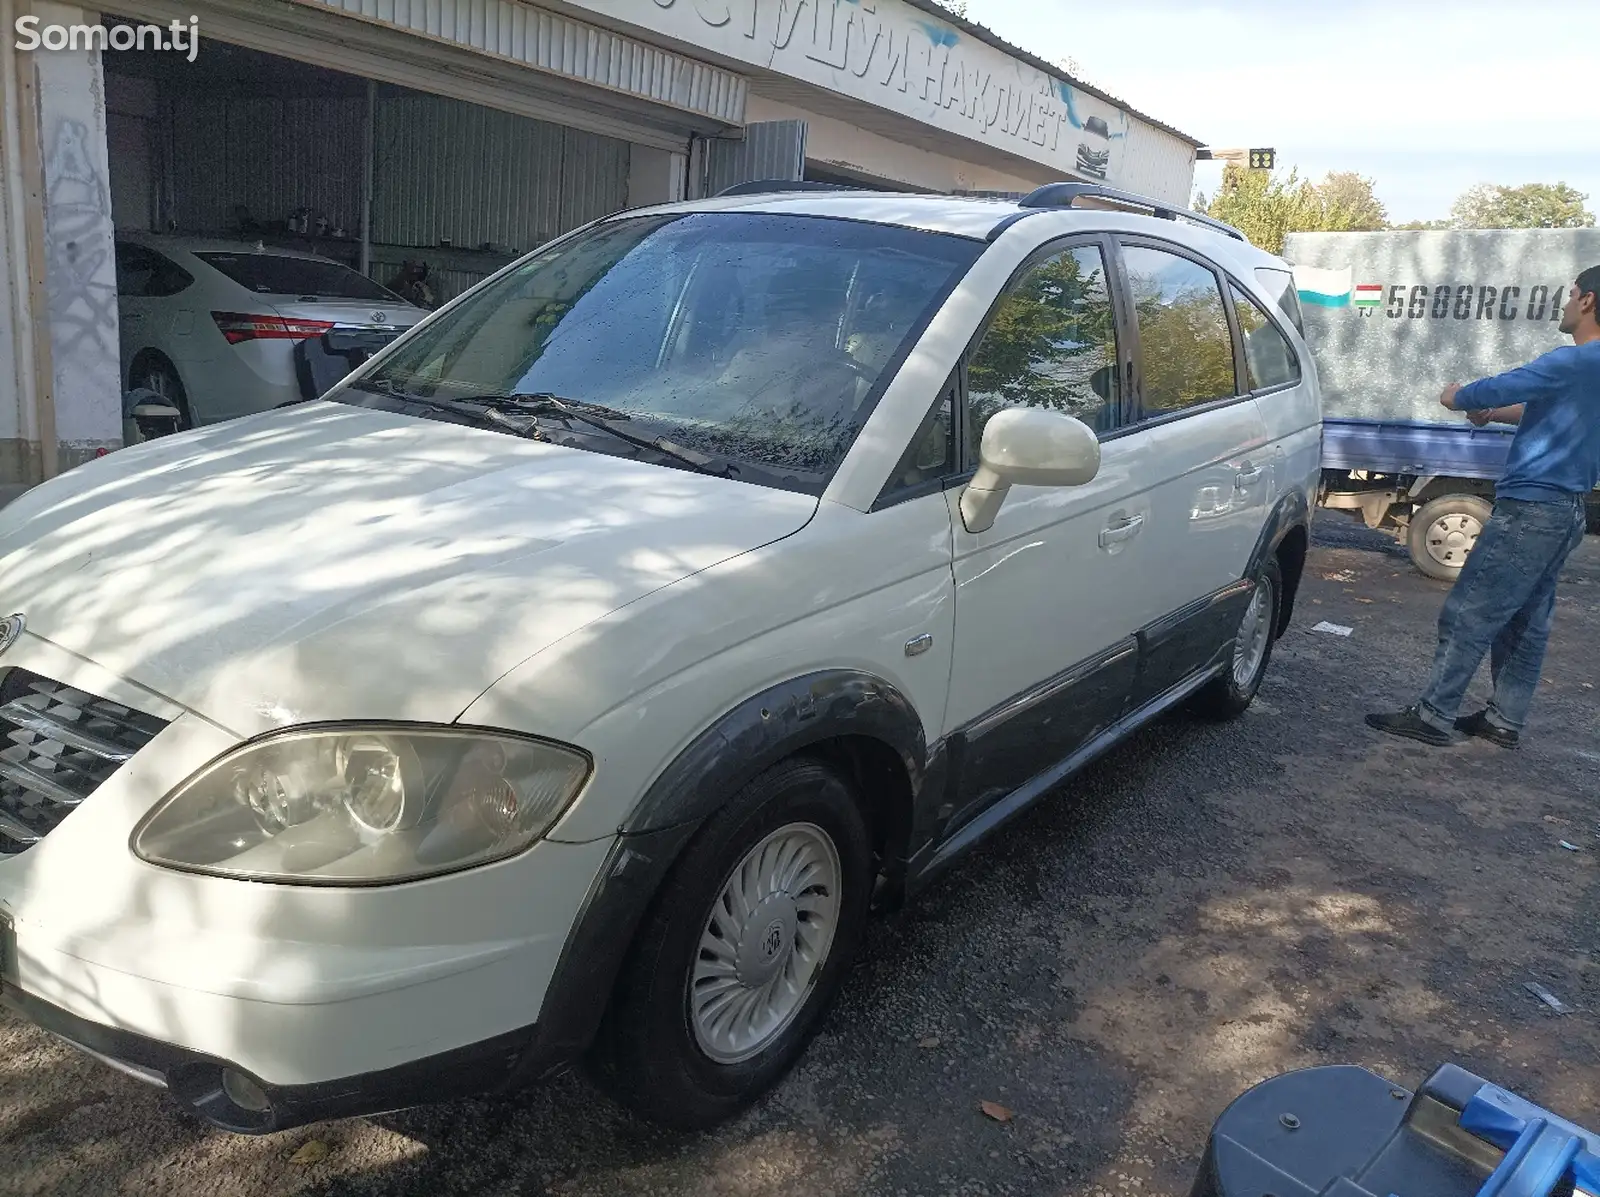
498, 53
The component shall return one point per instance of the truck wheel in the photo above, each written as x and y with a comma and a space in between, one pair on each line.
742, 951
1443, 532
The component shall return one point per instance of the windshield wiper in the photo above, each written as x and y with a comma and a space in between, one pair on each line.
543, 403
453, 407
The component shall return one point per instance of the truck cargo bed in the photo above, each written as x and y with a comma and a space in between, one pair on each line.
1415, 448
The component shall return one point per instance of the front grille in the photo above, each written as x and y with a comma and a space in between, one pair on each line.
58, 745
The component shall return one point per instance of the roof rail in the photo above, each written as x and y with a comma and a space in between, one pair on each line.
769, 186
1066, 195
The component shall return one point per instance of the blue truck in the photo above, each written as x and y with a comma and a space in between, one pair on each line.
1392, 317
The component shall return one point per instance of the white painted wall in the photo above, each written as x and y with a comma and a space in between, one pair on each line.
11, 385
15, 330
80, 265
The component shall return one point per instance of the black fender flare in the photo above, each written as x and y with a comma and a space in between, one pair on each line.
778, 722
757, 733
1291, 511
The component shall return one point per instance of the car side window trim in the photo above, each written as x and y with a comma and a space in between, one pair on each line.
1274, 320
966, 454
890, 494
1139, 420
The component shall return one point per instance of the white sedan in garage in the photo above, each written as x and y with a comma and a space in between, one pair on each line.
213, 326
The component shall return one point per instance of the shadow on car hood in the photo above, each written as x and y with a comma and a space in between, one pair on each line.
329, 562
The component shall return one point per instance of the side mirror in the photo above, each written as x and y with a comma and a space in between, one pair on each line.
1027, 446
1102, 380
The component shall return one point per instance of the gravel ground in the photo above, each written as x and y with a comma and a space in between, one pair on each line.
1205, 907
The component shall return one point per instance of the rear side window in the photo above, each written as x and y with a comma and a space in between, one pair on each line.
135, 265
1185, 346
1269, 361
276, 274
144, 273
1280, 285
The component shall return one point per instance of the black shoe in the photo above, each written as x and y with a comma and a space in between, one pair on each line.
1412, 726
1479, 725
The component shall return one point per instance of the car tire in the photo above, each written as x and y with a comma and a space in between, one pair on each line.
689, 1039
155, 373
1230, 695
1442, 533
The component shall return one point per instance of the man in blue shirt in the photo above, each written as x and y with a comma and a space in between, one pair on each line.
1502, 602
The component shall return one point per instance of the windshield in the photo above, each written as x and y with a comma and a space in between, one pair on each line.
276, 274
754, 337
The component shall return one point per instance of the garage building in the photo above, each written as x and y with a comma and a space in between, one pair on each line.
458, 134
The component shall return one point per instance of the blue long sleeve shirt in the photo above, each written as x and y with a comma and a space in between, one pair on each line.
1556, 451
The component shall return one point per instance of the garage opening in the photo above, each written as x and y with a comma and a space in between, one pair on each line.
276, 221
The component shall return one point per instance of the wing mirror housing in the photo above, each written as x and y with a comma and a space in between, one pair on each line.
1027, 446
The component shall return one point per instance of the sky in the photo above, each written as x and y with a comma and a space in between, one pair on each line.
1426, 97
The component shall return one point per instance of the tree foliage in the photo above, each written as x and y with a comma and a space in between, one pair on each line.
1266, 206
1349, 204
1530, 206
1184, 346
1049, 336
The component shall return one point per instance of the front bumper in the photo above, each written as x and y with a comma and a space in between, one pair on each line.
195, 1081
306, 1059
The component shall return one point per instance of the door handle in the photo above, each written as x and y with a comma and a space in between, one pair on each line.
1123, 529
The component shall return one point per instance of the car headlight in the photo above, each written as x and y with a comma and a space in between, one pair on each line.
363, 805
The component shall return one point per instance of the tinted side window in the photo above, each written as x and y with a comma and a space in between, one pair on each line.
1185, 348
1052, 343
135, 265
167, 278
1280, 285
1269, 361
282, 274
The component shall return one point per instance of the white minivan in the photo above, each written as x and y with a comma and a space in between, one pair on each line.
574, 678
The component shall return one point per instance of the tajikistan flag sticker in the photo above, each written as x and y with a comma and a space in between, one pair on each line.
1324, 288
1369, 295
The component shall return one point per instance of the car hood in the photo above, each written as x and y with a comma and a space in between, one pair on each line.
331, 562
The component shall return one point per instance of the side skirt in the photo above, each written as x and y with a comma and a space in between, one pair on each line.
1024, 796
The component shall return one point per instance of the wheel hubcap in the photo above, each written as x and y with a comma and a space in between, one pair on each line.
1250, 645
1451, 537
764, 943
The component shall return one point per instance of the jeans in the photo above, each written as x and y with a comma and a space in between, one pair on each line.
1501, 605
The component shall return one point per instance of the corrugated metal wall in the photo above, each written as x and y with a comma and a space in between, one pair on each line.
560, 45
445, 171
1157, 164
271, 155
768, 150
